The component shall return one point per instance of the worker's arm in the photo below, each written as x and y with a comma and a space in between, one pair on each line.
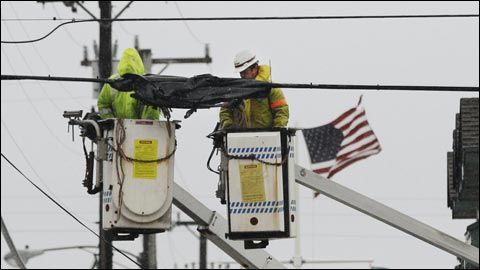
151, 113
105, 102
226, 117
279, 107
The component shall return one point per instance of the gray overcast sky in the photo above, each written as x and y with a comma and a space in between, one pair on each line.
414, 128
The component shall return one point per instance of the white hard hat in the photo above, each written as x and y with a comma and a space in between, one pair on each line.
243, 60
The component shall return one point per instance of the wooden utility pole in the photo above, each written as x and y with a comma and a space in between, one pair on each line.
203, 240
149, 254
203, 251
105, 69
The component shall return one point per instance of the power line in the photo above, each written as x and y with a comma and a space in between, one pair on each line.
66, 211
44, 122
282, 85
251, 18
22, 56
41, 58
52, 78
66, 29
85, 9
186, 24
277, 18
28, 162
179, 175
54, 29
31, 166
36, 19
376, 87
123, 9
173, 247
125, 30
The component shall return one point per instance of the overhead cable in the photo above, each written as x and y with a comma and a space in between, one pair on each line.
282, 85
66, 211
266, 18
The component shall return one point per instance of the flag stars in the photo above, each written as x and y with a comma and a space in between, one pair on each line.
323, 142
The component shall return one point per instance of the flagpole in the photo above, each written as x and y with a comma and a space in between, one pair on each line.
297, 259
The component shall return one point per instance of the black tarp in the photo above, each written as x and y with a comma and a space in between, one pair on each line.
202, 91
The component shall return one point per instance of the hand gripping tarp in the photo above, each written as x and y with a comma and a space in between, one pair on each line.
202, 91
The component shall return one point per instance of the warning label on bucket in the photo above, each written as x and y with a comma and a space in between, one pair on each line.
145, 150
252, 182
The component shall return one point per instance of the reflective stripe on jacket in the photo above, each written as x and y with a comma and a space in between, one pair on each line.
268, 112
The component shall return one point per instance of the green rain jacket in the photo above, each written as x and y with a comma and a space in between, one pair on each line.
268, 112
115, 104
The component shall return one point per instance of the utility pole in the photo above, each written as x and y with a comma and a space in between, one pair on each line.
149, 254
203, 251
149, 61
203, 241
149, 258
105, 69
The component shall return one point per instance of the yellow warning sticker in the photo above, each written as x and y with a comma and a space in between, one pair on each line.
252, 183
145, 149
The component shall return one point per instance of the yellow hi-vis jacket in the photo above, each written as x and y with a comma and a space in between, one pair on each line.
115, 104
268, 112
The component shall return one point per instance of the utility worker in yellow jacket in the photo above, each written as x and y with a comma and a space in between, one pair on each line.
269, 112
115, 104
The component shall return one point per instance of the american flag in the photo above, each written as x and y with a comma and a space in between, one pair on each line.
342, 142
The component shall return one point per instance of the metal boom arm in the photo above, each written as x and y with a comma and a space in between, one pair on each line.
386, 214
215, 227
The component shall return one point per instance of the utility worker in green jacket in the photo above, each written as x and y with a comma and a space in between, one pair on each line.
115, 104
269, 112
